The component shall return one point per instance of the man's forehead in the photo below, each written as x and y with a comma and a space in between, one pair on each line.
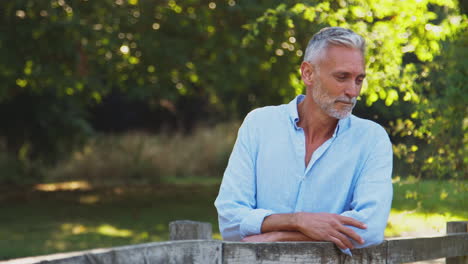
344, 59
340, 51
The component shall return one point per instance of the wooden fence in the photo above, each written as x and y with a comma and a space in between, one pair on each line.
192, 244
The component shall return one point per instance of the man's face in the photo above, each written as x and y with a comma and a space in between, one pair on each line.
328, 103
337, 81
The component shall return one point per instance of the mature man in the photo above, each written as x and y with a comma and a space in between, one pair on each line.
309, 170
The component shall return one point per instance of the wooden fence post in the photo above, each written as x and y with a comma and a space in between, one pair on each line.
457, 227
187, 230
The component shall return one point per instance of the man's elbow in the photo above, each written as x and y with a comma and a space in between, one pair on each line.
372, 236
230, 234
229, 228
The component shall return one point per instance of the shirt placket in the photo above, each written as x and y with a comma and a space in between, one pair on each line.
299, 142
307, 171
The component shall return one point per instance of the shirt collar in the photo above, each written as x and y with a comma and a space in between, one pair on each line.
292, 110
343, 124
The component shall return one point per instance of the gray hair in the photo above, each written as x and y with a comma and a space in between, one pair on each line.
332, 36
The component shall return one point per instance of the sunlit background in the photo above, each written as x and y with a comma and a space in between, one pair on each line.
118, 116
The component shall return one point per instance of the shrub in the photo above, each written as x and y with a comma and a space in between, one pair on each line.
139, 157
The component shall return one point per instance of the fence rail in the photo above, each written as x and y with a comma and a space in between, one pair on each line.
453, 247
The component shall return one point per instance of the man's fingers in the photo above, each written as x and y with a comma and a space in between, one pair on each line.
353, 235
348, 231
352, 222
337, 242
343, 239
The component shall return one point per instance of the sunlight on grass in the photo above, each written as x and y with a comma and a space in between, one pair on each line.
422, 208
67, 229
51, 222
63, 186
57, 245
408, 223
109, 230
89, 199
75, 229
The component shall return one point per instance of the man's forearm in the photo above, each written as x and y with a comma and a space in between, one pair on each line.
278, 236
291, 236
315, 226
280, 222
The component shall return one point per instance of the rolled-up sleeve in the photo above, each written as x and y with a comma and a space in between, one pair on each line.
236, 204
373, 192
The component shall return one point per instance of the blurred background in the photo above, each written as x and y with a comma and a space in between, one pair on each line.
118, 116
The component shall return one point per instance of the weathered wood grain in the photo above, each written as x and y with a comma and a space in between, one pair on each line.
176, 252
298, 252
453, 247
457, 227
187, 230
417, 249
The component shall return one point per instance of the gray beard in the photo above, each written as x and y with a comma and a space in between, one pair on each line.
327, 103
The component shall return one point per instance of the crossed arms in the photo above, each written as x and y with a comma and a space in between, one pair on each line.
359, 223
309, 227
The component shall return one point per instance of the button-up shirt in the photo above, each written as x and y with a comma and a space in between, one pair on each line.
349, 174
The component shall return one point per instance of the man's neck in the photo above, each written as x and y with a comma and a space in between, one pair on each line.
317, 124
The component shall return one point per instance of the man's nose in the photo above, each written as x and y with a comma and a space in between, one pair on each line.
353, 90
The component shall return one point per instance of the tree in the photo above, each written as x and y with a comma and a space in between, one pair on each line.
196, 60
412, 90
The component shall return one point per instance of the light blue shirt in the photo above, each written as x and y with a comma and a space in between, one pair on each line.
349, 174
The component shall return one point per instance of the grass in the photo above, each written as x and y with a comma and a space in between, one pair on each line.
423, 207
35, 222
39, 222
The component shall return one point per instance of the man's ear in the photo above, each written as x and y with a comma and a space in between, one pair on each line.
307, 73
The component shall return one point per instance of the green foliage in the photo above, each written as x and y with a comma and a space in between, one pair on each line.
394, 33
58, 58
440, 120
15, 171
200, 60
416, 68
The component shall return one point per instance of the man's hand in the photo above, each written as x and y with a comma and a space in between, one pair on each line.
316, 226
329, 227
